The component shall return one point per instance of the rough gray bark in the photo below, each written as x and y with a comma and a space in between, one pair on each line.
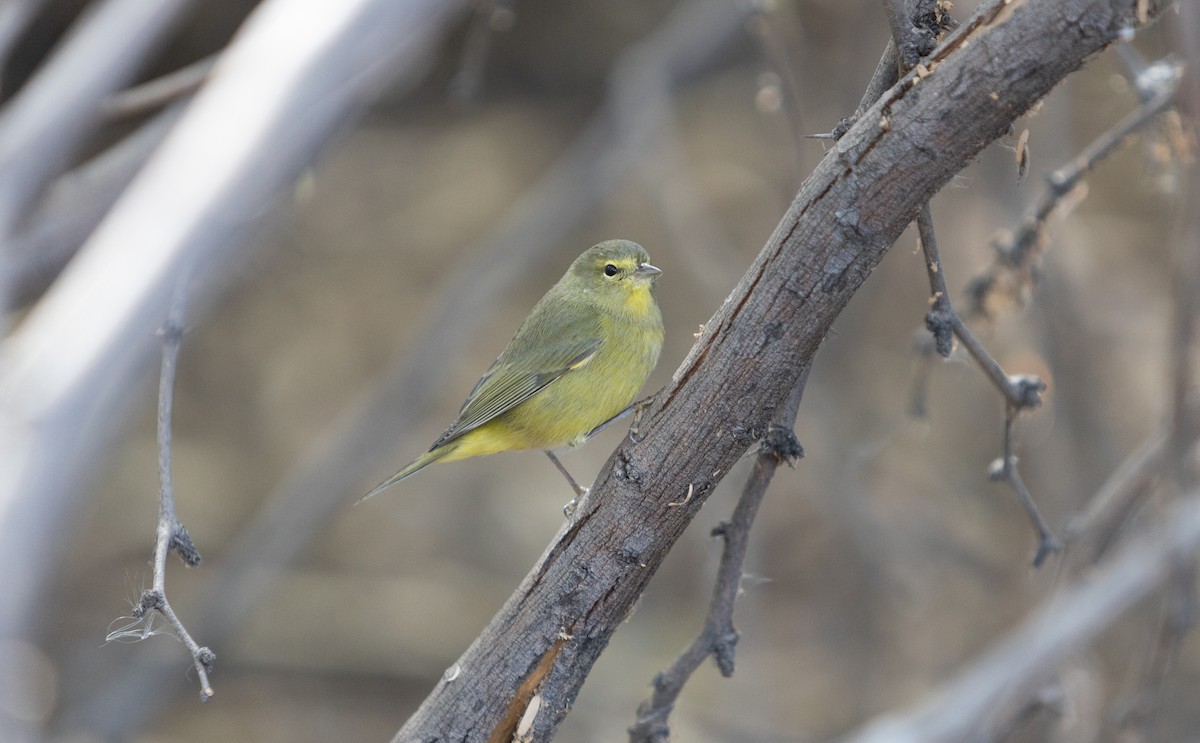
523, 672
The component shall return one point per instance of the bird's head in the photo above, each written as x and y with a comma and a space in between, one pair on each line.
614, 268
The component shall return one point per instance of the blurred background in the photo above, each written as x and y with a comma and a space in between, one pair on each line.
382, 285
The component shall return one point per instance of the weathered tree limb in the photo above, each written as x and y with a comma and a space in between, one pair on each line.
528, 665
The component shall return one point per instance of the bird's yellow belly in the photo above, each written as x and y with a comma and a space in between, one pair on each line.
572, 406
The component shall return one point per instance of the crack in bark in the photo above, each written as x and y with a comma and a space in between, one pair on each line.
506, 729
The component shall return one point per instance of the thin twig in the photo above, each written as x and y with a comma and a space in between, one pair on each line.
171, 534
912, 42
1020, 391
1013, 270
159, 92
719, 638
1006, 470
1094, 529
71, 208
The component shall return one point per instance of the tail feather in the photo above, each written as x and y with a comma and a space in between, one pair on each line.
422, 462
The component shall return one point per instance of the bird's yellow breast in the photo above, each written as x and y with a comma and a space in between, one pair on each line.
590, 394
639, 302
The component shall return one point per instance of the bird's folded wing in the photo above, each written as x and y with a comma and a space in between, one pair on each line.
507, 384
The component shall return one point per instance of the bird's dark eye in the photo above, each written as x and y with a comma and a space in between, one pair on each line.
610, 270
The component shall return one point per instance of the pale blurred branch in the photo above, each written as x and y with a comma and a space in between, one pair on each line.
1012, 668
71, 208
41, 127
1179, 607
294, 76
1092, 532
75, 202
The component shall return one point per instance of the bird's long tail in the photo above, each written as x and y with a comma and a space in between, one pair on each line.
422, 462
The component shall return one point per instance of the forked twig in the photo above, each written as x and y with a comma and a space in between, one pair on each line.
171, 534
718, 638
1016, 258
1021, 391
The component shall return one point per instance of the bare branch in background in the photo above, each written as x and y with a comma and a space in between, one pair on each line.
1021, 392
77, 200
171, 534
960, 709
1011, 675
1090, 533
64, 370
72, 207
41, 127
1179, 608
914, 42
1012, 274
159, 92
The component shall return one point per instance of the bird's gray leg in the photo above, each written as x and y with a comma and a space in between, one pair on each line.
580, 491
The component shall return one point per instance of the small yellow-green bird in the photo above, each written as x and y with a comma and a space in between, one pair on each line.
575, 363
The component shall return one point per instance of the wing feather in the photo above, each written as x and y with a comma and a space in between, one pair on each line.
508, 383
